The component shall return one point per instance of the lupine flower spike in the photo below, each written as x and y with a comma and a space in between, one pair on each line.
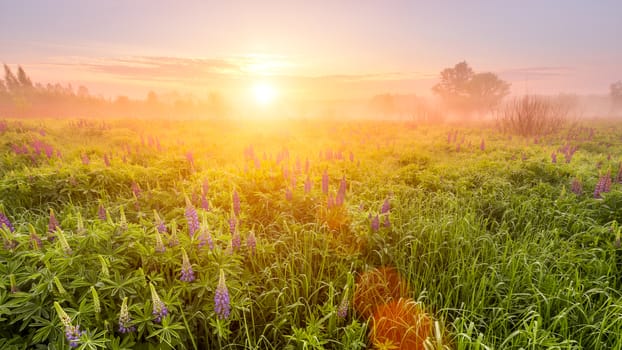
72, 333
6, 223
96, 304
192, 218
205, 237
236, 203
251, 242
159, 308
342, 309
35, 241
222, 305
125, 322
187, 274
173, 240
52, 226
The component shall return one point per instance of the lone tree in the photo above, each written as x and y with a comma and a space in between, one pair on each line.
615, 91
462, 89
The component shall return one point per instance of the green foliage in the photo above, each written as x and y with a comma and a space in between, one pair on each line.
490, 239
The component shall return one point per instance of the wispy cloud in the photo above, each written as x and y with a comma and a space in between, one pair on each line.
535, 73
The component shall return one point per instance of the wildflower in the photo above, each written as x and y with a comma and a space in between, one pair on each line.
101, 212
96, 305
375, 223
386, 206
72, 333
288, 194
52, 225
222, 305
619, 174
173, 240
205, 236
325, 182
104, 266
106, 160
236, 241
85, 159
554, 157
204, 202
136, 189
236, 203
160, 224
159, 308
5, 222
387, 222
187, 274
63, 242
190, 159
232, 225
482, 145
342, 309
251, 242
160, 248
342, 187
308, 184
35, 241
205, 186
576, 186
192, 219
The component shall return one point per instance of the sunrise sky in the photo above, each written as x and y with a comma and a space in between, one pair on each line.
312, 49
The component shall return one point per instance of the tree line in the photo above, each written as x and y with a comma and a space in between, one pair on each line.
21, 97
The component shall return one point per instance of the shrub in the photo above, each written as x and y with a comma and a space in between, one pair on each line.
532, 115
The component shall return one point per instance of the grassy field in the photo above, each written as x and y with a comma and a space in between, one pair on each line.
308, 235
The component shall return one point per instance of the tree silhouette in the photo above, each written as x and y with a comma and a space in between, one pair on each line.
462, 89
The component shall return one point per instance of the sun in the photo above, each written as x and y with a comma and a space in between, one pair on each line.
264, 93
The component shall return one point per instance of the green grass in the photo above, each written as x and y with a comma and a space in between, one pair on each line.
492, 242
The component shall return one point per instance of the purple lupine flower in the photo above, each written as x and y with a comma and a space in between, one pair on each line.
101, 212
339, 199
236, 203
553, 157
482, 145
576, 186
106, 160
125, 322
387, 222
308, 184
49, 151
251, 242
342, 309
173, 240
375, 223
386, 207
602, 186
190, 159
5, 222
85, 159
159, 308
325, 182
187, 274
343, 186
619, 174
236, 241
73, 334
204, 202
192, 218
222, 305
288, 194
330, 202
135, 189
53, 225
159, 247
232, 224
35, 241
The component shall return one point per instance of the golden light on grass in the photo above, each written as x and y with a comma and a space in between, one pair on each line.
377, 287
401, 324
264, 93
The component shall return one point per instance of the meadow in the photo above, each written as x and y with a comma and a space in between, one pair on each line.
301, 234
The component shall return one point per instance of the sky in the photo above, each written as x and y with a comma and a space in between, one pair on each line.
337, 49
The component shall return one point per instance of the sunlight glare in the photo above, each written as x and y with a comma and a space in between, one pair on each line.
264, 93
